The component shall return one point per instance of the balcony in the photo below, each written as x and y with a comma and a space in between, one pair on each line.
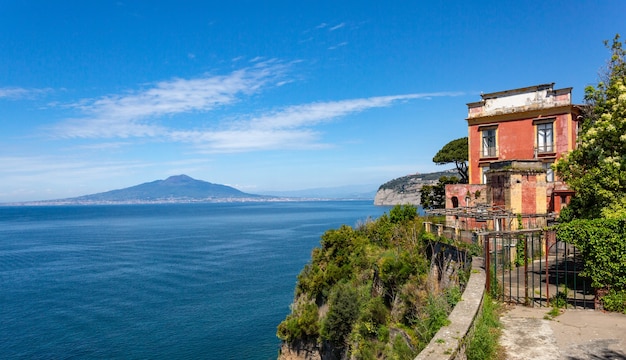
545, 150
488, 152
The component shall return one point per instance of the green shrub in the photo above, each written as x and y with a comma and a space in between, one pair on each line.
383, 333
559, 300
602, 243
473, 249
379, 232
395, 269
343, 310
402, 213
375, 312
428, 238
400, 350
302, 323
615, 301
433, 318
453, 296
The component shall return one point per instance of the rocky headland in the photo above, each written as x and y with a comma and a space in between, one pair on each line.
406, 189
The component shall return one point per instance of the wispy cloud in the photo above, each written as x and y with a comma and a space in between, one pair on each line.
134, 114
330, 28
338, 45
337, 27
138, 114
291, 127
16, 93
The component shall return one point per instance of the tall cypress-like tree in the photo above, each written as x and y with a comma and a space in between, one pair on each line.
596, 169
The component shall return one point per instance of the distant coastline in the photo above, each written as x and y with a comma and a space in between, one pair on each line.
182, 189
174, 201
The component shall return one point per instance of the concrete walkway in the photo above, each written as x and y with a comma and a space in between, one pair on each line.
573, 335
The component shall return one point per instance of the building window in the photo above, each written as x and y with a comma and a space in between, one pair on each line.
483, 170
545, 138
489, 143
455, 202
549, 172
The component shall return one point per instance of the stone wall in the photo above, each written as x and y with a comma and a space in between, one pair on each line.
450, 341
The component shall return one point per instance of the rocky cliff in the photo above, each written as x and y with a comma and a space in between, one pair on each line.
406, 189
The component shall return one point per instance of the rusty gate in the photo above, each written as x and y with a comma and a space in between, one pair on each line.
534, 268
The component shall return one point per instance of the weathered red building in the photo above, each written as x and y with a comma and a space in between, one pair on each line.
534, 126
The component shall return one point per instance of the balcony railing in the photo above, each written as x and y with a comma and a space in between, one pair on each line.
543, 149
489, 152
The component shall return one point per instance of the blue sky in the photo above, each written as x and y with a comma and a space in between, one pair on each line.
266, 95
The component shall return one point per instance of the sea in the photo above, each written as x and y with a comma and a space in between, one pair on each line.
159, 281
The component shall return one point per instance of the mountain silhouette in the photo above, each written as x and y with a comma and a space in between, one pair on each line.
174, 188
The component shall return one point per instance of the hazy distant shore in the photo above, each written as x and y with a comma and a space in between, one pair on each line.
173, 201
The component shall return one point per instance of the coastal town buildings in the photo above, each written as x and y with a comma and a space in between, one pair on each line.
514, 137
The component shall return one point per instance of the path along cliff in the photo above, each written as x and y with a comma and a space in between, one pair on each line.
528, 333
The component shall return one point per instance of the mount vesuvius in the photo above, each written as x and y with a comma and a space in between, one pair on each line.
179, 188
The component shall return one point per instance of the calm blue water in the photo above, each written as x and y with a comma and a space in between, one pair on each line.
188, 281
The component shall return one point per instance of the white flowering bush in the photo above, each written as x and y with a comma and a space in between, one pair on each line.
596, 170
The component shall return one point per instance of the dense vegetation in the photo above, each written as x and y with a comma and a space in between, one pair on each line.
602, 243
434, 196
596, 169
367, 293
402, 183
595, 220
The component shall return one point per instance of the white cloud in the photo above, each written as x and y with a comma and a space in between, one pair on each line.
134, 114
15, 93
337, 27
338, 45
288, 128
291, 127
138, 114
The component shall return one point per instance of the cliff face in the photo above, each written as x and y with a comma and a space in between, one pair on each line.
299, 351
406, 190
392, 197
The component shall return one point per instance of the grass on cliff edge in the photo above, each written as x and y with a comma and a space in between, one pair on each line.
484, 344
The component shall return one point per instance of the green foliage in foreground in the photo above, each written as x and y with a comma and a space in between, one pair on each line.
615, 301
483, 345
602, 243
596, 169
366, 293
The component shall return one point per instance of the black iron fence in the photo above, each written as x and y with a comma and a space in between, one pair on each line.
530, 267
534, 268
